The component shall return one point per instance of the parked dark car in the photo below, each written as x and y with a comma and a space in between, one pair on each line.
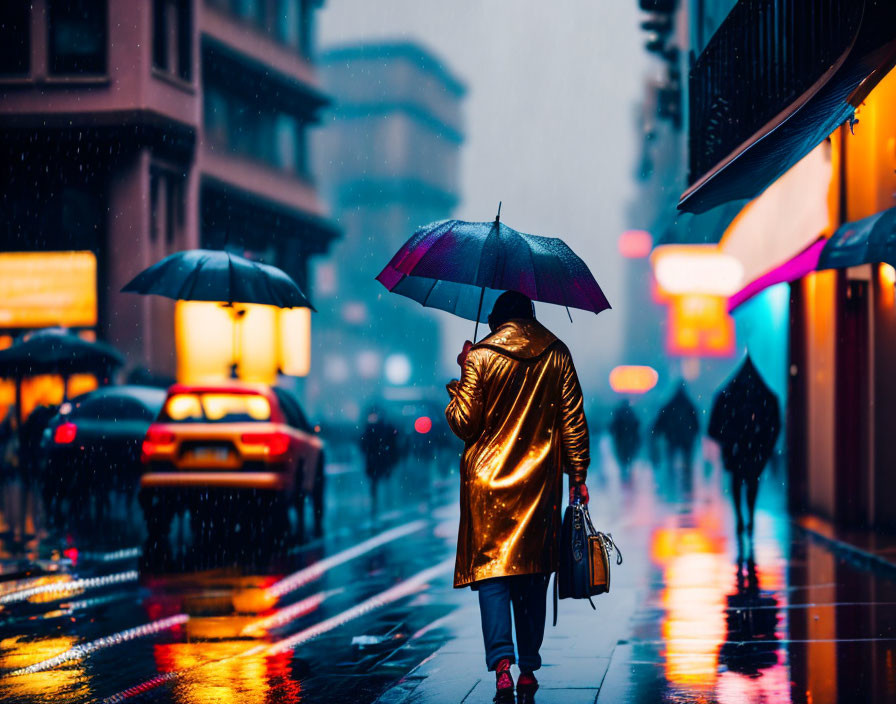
92, 448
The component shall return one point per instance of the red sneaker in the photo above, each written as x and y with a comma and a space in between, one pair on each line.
526, 688
503, 683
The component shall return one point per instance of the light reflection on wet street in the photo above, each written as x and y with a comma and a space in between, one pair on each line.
343, 619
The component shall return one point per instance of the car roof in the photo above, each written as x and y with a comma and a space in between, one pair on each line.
228, 387
147, 395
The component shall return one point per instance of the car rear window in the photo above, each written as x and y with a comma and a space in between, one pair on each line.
106, 408
216, 408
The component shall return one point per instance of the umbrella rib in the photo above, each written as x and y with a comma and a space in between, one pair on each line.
534, 269
269, 286
189, 286
479, 263
432, 288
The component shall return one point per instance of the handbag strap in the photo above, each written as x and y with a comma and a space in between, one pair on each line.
556, 599
607, 537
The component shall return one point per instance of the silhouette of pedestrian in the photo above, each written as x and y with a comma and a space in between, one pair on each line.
745, 421
677, 426
379, 444
625, 430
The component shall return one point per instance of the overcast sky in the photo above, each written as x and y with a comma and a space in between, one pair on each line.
550, 128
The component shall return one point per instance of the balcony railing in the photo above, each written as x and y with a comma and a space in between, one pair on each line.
765, 55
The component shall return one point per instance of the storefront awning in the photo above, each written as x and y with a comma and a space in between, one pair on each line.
871, 239
774, 81
867, 241
774, 236
791, 270
705, 228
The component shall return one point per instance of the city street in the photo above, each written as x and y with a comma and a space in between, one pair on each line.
368, 614
308, 306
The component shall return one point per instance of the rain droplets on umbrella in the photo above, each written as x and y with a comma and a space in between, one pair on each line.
462, 267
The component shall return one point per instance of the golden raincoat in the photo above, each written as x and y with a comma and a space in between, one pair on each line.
518, 408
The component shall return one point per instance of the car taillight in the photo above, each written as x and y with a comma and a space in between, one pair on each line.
154, 438
65, 433
275, 444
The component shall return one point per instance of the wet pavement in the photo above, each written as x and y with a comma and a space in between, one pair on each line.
368, 614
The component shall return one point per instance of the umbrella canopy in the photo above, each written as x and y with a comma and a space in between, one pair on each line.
462, 267
212, 275
55, 351
745, 420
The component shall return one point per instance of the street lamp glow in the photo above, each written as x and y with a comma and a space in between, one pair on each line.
635, 244
633, 379
398, 369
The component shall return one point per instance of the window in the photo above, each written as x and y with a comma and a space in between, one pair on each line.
172, 38
215, 407
15, 38
78, 37
118, 408
286, 21
265, 134
174, 206
289, 18
292, 410
154, 207
286, 136
167, 204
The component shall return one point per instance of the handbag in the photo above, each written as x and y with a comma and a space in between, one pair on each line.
584, 558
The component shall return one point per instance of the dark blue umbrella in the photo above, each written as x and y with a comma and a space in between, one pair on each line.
462, 267
212, 275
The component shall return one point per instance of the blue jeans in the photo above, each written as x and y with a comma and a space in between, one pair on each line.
527, 594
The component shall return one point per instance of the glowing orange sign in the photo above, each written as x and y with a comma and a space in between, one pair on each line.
41, 289
632, 379
699, 325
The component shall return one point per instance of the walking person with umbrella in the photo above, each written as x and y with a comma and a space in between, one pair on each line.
745, 421
518, 408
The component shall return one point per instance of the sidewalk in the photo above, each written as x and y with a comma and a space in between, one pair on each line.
689, 620
871, 550
576, 654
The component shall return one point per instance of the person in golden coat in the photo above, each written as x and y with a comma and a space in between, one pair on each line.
518, 408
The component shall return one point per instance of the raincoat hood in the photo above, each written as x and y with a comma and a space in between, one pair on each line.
519, 339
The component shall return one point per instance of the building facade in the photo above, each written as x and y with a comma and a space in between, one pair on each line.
789, 128
132, 130
388, 159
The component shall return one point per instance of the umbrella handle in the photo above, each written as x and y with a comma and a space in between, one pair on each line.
481, 296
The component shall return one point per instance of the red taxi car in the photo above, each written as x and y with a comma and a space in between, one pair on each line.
235, 438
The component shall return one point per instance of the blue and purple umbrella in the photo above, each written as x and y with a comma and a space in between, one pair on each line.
462, 267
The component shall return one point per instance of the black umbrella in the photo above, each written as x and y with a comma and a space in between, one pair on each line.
745, 421
212, 275
55, 351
